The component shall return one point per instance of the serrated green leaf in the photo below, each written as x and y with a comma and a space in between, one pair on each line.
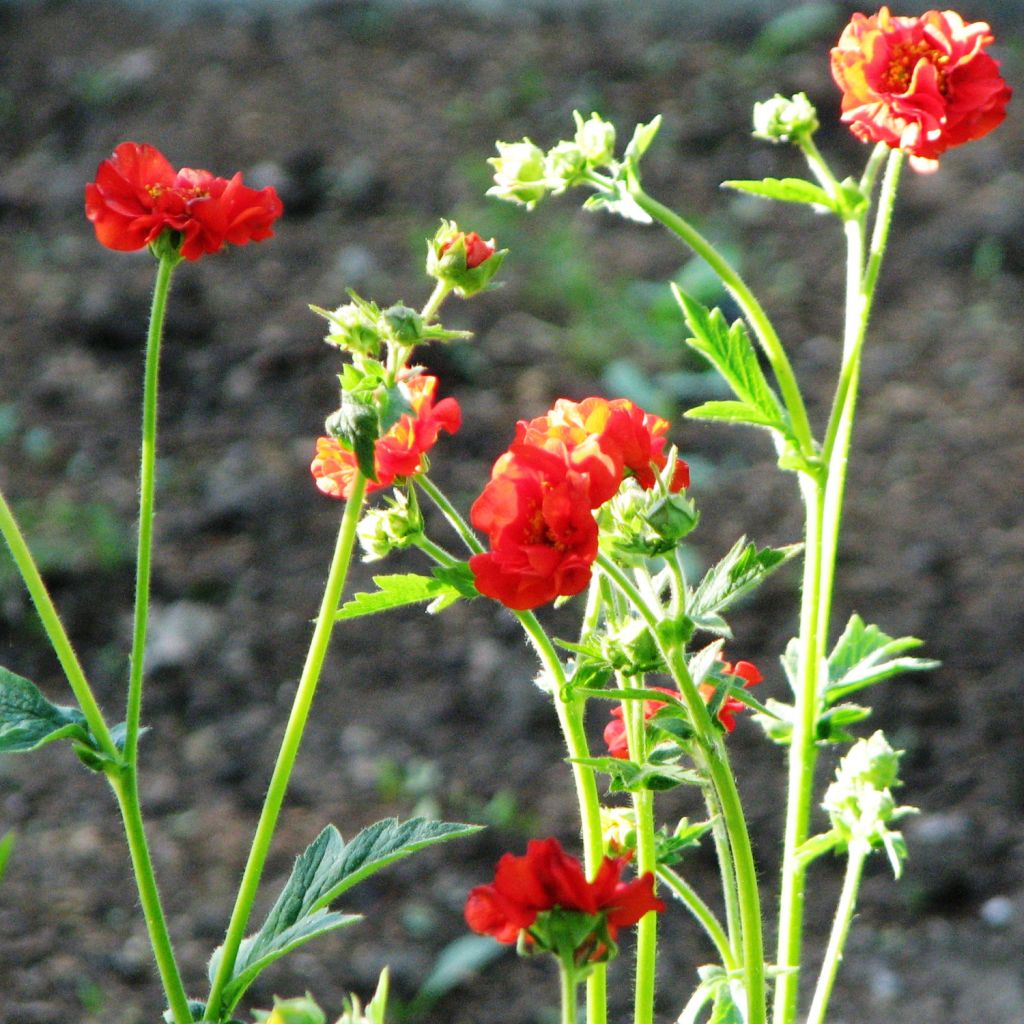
356, 425
29, 721
742, 569
400, 590
732, 412
864, 655
730, 350
630, 777
788, 190
327, 868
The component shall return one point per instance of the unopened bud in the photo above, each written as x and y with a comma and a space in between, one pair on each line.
595, 138
785, 118
519, 173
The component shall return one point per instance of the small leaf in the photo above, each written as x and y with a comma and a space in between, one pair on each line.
6, 845
742, 569
400, 590
788, 190
630, 777
326, 868
731, 352
29, 721
864, 655
357, 426
643, 136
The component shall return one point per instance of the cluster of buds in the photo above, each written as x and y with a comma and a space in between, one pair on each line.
392, 528
304, 1009
860, 803
524, 173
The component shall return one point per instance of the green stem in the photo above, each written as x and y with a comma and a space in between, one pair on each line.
450, 512
569, 986
646, 861
570, 718
289, 746
147, 487
727, 870
712, 752
840, 930
704, 915
125, 786
802, 754
751, 307
55, 631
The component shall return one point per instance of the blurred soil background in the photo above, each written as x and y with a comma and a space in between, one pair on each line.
374, 120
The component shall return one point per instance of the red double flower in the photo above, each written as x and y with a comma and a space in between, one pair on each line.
399, 453
921, 84
538, 508
138, 195
615, 730
547, 879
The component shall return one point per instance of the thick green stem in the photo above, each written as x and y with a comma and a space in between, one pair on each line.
705, 916
569, 985
147, 489
802, 754
289, 746
55, 631
858, 853
125, 786
751, 307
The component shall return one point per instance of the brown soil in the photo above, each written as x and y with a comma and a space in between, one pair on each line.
374, 122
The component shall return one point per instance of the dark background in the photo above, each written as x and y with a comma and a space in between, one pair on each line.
374, 120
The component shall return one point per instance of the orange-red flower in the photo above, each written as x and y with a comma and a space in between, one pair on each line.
547, 879
615, 730
477, 250
137, 196
543, 536
399, 453
921, 84
606, 440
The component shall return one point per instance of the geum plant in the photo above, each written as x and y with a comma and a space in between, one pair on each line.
589, 499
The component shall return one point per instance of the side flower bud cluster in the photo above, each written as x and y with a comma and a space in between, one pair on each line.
463, 261
538, 508
785, 118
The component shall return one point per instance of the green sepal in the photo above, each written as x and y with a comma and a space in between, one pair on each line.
864, 655
787, 190
446, 586
669, 848
357, 426
326, 869
630, 777
95, 758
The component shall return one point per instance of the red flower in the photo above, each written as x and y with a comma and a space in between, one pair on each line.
137, 195
548, 879
399, 453
921, 85
477, 250
606, 440
615, 730
543, 536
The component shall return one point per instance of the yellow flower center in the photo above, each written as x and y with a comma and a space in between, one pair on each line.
904, 59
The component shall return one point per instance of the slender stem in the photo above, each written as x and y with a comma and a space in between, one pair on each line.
434, 551
727, 870
450, 512
802, 754
125, 786
712, 752
55, 631
570, 718
437, 296
147, 488
819, 168
840, 929
646, 861
289, 746
705, 916
751, 307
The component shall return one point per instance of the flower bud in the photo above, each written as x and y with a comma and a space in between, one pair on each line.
595, 139
785, 118
404, 325
292, 1011
383, 530
648, 522
352, 329
464, 261
630, 649
565, 164
519, 173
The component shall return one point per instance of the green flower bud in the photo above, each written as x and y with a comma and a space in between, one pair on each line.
405, 325
463, 260
565, 164
353, 329
785, 118
595, 138
292, 1011
519, 173
383, 530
